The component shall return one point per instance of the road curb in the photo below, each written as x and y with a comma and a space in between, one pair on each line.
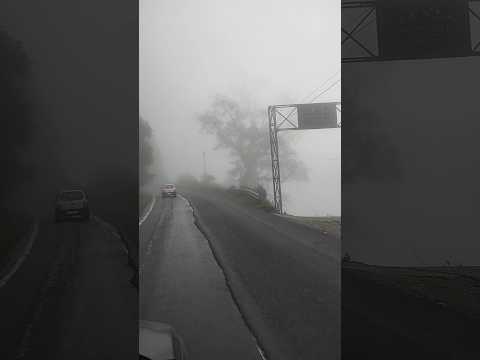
243, 303
119, 234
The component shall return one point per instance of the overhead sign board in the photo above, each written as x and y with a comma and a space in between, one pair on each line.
423, 28
317, 116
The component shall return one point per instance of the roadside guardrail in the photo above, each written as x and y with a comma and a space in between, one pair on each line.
253, 193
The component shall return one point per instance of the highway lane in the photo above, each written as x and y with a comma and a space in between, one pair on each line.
285, 276
20, 294
100, 312
181, 284
71, 297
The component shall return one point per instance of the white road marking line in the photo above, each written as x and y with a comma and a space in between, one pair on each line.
52, 278
23, 256
262, 355
150, 242
145, 216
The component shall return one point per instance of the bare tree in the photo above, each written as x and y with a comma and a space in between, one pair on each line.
242, 131
145, 152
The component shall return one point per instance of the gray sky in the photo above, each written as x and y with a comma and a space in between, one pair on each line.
260, 52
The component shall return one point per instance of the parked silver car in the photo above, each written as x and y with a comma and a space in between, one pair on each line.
71, 204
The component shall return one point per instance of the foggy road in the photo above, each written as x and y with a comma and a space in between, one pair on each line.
71, 298
183, 286
284, 277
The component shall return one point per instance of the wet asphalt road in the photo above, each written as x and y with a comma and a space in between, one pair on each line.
284, 277
182, 285
100, 308
71, 298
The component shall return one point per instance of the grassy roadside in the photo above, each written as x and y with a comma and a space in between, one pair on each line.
328, 224
456, 288
12, 228
245, 199
421, 312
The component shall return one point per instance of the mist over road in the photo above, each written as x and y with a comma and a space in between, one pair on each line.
283, 276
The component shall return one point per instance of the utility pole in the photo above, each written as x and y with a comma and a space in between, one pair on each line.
204, 166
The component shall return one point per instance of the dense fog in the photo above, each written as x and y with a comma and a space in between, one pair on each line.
82, 65
251, 54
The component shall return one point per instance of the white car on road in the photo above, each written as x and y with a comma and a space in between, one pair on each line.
169, 190
71, 204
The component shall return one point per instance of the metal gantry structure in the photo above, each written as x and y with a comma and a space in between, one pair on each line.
277, 189
391, 20
288, 119
377, 28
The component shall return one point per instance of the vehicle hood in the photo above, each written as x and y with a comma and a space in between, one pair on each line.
156, 340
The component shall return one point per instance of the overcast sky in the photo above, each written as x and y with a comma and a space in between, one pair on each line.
258, 52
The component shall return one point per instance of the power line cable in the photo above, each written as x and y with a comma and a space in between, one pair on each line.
319, 87
316, 89
324, 91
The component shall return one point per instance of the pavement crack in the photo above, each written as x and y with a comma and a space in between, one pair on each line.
228, 281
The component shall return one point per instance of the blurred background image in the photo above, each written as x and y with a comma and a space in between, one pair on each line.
69, 116
410, 273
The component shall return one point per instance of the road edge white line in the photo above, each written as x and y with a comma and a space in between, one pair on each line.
39, 305
22, 257
150, 208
